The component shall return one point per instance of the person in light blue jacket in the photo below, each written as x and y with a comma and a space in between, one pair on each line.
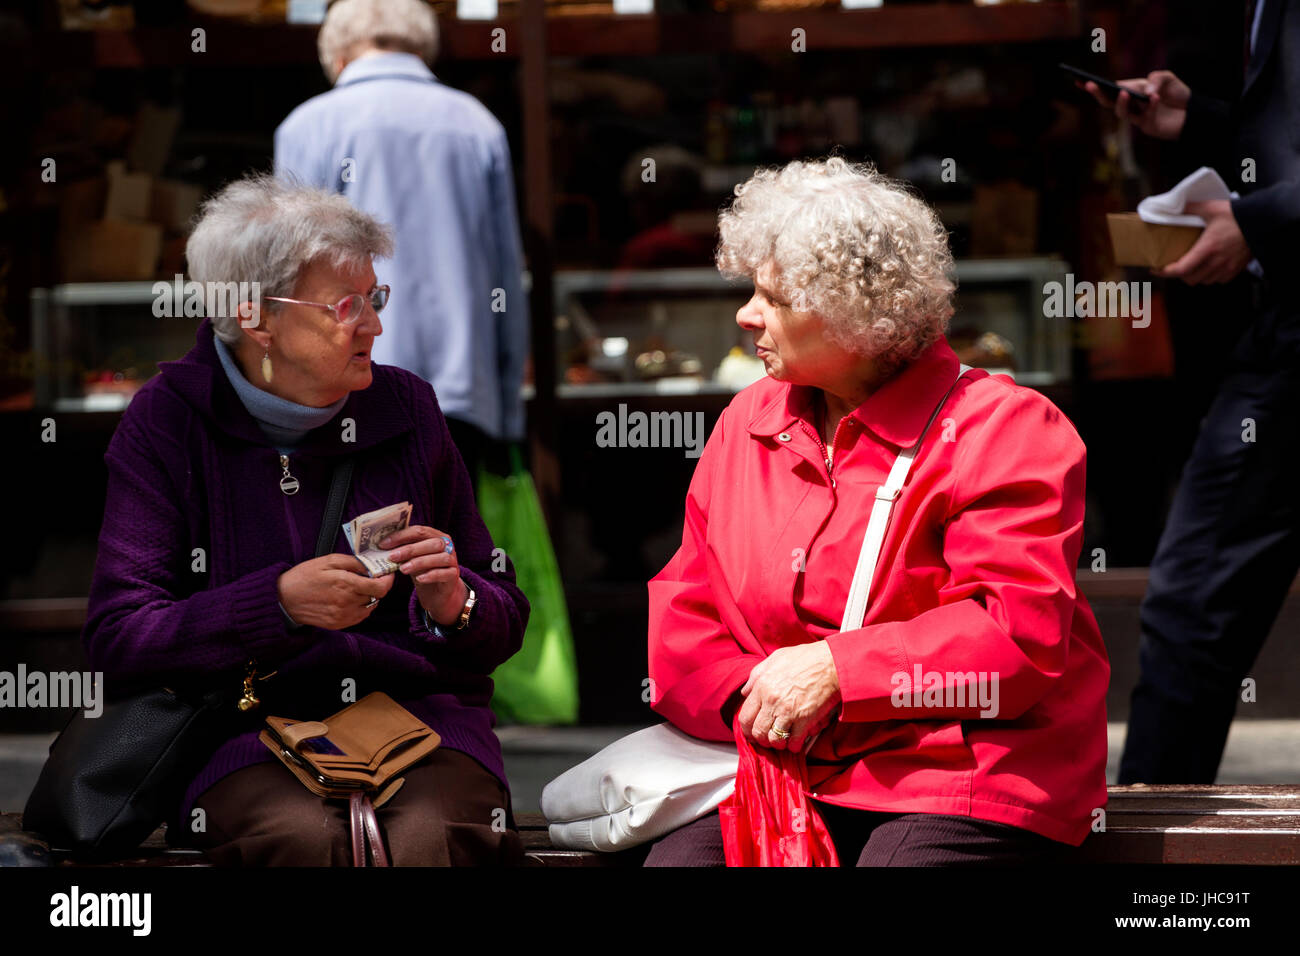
433, 163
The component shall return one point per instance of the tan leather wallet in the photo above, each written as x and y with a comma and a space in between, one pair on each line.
359, 750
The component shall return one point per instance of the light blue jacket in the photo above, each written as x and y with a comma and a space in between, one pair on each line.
434, 163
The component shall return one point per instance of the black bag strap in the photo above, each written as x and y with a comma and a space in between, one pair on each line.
340, 479
338, 493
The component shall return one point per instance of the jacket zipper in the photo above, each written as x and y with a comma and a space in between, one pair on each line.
826, 455
249, 700
288, 483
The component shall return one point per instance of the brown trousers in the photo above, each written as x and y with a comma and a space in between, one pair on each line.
450, 812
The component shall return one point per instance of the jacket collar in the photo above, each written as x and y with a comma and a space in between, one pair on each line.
378, 411
895, 412
395, 64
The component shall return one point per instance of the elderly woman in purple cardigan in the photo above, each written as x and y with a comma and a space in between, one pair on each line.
217, 483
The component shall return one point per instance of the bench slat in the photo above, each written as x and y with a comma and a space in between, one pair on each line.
1144, 824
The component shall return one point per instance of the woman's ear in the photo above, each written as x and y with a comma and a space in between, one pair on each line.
250, 322
250, 315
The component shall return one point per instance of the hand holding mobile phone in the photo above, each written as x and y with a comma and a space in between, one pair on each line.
1137, 101
1156, 104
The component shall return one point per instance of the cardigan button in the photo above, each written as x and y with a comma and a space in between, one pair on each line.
784, 436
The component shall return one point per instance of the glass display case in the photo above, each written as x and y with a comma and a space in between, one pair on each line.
655, 332
674, 330
96, 343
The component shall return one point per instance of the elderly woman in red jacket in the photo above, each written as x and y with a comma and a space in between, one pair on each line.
964, 721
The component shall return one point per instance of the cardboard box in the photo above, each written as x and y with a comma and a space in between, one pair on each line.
152, 138
129, 194
82, 202
1138, 243
111, 251
173, 204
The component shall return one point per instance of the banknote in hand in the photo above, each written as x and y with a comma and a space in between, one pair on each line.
364, 533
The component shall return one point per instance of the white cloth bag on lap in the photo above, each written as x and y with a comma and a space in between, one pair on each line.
651, 782
637, 789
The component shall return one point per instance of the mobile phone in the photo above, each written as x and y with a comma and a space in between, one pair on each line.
1139, 100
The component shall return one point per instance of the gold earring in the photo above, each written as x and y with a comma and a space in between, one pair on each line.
266, 365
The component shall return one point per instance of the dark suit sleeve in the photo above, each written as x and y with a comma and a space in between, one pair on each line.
1209, 127
1269, 218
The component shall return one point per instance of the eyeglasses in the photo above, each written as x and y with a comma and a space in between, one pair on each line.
348, 309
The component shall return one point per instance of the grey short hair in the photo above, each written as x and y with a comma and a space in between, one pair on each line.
352, 25
849, 243
265, 230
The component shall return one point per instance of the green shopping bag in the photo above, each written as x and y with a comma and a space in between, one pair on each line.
539, 685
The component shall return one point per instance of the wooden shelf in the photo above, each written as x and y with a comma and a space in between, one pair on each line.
922, 25
235, 45
919, 25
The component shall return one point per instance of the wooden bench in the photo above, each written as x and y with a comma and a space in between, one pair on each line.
155, 852
1143, 824
1198, 824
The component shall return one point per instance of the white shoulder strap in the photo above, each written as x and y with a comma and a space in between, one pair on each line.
886, 495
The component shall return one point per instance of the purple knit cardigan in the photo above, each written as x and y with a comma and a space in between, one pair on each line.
197, 531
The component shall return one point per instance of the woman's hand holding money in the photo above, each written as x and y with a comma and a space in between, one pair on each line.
332, 591
429, 557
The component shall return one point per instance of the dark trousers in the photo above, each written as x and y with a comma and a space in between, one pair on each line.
882, 839
1229, 552
451, 811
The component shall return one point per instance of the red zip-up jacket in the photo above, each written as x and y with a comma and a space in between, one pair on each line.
974, 593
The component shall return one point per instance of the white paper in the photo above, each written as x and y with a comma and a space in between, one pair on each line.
1204, 185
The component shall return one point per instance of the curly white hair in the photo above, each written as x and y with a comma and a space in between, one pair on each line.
851, 244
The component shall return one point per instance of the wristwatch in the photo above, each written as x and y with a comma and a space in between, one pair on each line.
465, 611
462, 622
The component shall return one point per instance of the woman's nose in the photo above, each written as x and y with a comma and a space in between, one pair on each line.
749, 316
369, 322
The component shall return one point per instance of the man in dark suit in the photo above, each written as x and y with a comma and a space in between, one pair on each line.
1231, 545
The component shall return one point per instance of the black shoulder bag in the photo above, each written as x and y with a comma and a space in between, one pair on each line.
110, 780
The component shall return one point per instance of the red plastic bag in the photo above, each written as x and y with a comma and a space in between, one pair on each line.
769, 820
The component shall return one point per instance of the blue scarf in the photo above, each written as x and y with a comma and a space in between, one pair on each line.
283, 421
